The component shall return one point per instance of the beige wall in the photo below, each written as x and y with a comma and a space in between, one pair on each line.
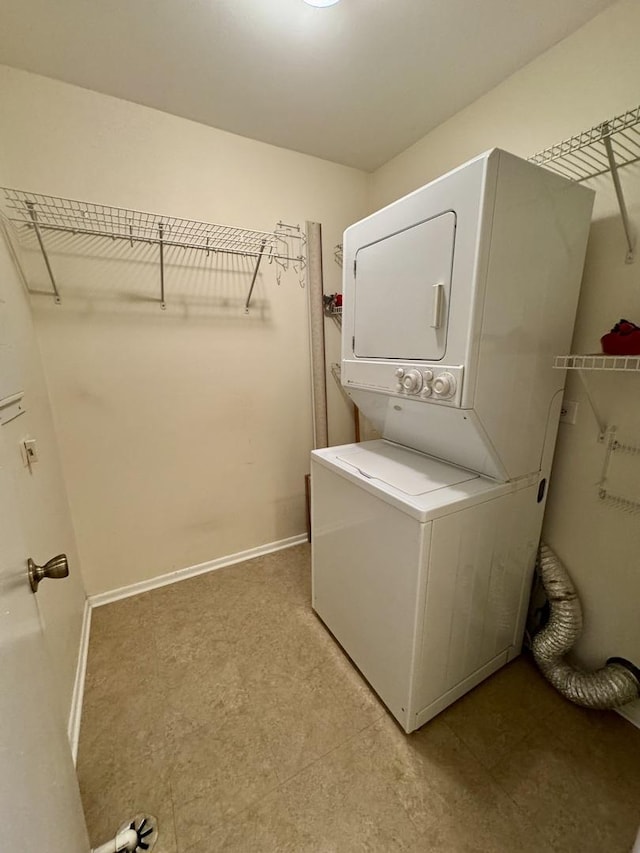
44, 510
585, 79
185, 434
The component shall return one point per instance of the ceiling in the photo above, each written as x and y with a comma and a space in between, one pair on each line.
355, 83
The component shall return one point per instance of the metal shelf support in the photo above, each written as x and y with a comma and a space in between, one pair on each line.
607, 147
163, 304
36, 228
613, 166
253, 280
584, 364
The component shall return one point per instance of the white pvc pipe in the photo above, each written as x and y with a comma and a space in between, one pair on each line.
125, 840
316, 335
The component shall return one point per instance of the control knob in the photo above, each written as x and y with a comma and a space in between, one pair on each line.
444, 385
412, 381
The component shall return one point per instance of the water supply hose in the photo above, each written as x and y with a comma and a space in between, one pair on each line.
609, 687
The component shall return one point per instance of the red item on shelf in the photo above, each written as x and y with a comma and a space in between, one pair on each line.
623, 339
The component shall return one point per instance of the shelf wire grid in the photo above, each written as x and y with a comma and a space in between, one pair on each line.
629, 505
335, 312
598, 362
585, 156
52, 213
615, 499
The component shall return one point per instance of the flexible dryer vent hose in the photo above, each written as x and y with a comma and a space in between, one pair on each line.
609, 687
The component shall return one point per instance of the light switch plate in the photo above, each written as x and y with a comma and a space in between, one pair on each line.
29, 451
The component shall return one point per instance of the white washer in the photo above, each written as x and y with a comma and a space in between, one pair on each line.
421, 571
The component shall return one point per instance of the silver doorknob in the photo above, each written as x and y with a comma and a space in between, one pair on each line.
56, 567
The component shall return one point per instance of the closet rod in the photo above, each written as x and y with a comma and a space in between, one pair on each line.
134, 238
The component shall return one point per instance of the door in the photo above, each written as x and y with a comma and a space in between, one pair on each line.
40, 808
402, 289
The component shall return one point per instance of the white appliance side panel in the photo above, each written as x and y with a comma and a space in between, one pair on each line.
540, 230
480, 559
460, 689
402, 286
367, 581
454, 435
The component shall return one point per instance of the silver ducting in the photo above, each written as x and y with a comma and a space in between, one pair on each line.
614, 684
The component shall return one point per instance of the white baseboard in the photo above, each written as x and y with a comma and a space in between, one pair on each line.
202, 568
75, 714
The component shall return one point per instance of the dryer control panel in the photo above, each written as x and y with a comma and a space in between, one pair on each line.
430, 383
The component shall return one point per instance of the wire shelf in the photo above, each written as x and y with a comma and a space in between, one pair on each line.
332, 303
99, 220
607, 147
630, 505
338, 254
336, 314
627, 363
623, 474
36, 213
585, 156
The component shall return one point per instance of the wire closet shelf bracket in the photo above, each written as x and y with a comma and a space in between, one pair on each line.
615, 447
607, 147
35, 213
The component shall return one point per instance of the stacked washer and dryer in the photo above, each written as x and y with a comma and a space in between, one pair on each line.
456, 299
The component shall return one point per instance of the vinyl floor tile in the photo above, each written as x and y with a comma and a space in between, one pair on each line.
223, 706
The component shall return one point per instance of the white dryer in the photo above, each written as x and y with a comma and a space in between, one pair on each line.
456, 299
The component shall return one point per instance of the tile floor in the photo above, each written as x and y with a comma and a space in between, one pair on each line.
221, 705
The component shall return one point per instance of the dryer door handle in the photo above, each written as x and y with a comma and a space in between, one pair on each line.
438, 302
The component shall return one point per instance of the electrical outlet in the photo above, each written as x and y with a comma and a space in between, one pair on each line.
568, 412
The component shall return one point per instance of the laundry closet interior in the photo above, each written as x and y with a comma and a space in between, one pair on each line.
297, 381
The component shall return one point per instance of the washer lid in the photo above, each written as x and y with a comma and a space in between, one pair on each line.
405, 470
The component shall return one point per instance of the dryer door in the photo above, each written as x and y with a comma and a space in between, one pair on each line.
402, 288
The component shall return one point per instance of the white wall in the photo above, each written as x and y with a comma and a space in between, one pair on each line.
589, 77
44, 509
185, 434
